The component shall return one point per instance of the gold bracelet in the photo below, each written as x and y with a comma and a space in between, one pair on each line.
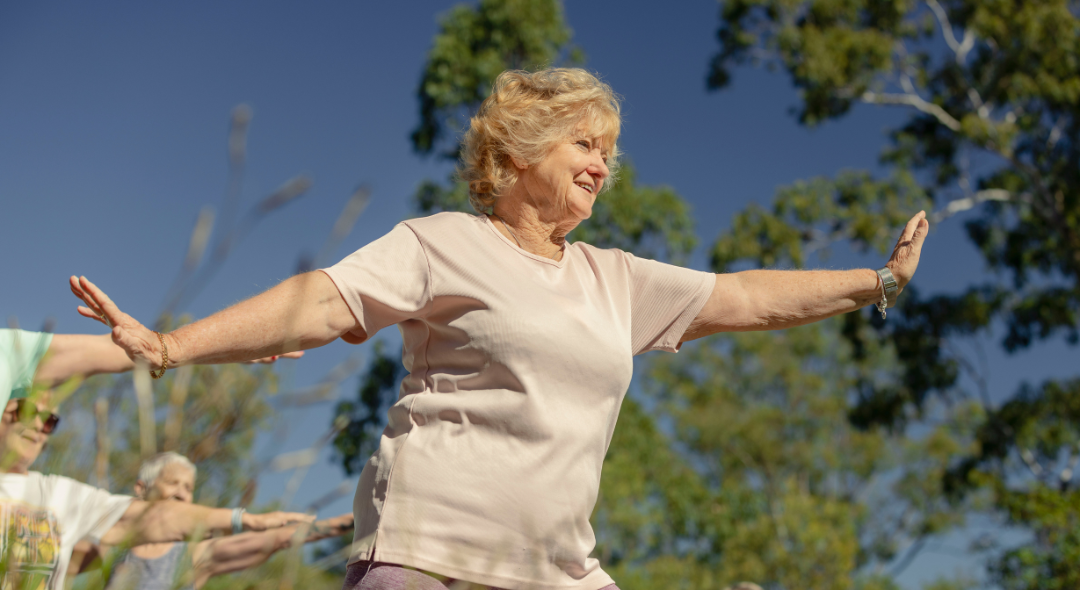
164, 358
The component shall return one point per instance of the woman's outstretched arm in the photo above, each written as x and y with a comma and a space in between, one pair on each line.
776, 299
223, 555
72, 355
305, 311
169, 520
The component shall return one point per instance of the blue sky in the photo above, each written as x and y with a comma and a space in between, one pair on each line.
113, 124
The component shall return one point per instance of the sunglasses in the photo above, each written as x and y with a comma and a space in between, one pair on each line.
25, 411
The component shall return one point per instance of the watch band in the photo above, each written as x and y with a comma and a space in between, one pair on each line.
889, 287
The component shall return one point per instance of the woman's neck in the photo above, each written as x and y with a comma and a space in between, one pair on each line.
528, 229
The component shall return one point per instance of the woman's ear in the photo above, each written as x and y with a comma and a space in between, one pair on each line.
520, 165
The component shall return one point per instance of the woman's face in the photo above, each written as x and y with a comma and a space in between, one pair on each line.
569, 177
176, 482
20, 441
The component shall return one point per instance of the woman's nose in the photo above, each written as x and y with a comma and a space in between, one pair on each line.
599, 168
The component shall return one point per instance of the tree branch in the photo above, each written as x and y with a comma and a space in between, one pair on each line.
912, 552
963, 204
916, 101
1032, 464
960, 48
1065, 478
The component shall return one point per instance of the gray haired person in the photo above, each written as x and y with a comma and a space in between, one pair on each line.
188, 565
44, 516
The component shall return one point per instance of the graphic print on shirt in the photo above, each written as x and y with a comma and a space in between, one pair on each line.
29, 546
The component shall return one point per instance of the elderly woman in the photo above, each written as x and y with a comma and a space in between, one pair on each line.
518, 344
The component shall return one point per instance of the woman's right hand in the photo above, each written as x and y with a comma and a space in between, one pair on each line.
139, 342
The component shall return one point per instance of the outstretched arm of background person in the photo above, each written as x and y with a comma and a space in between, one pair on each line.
80, 354
776, 299
239, 552
302, 312
83, 355
169, 520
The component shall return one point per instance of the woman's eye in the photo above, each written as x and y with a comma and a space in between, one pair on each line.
583, 143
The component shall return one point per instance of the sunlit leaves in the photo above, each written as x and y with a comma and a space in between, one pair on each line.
474, 45
810, 216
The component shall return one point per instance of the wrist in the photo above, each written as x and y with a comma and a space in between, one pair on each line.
176, 356
871, 291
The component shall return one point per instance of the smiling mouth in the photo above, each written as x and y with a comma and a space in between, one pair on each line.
587, 187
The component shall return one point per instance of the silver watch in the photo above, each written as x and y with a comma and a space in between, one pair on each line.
889, 289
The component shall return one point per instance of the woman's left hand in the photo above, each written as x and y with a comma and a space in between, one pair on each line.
905, 256
139, 342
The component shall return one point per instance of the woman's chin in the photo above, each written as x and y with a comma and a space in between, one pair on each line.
581, 212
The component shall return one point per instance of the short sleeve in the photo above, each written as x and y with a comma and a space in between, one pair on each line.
92, 511
386, 281
20, 353
664, 299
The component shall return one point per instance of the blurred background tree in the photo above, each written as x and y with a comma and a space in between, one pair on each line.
992, 89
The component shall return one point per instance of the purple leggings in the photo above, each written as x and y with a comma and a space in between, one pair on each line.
366, 575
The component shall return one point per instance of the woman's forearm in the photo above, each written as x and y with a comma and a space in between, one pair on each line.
305, 311
70, 355
785, 299
776, 299
166, 521
232, 554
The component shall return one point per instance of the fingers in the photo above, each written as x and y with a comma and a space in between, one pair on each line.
91, 310
104, 304
291, 517
97, 302
912, 226
271, 359
905, 257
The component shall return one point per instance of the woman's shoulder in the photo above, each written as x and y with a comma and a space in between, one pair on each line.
596, 252
444, 220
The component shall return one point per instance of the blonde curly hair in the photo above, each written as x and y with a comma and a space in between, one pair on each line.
525, 117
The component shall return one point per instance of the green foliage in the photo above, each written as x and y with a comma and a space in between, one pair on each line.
992, 87
952, 584
834, 49
770, 482
474, 45
809, 216
1048, 562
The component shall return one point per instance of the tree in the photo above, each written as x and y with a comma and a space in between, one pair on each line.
992, 88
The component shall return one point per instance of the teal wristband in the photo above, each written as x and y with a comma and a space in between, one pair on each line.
238, 520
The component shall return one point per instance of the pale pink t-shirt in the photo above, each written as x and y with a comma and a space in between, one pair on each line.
490, 465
